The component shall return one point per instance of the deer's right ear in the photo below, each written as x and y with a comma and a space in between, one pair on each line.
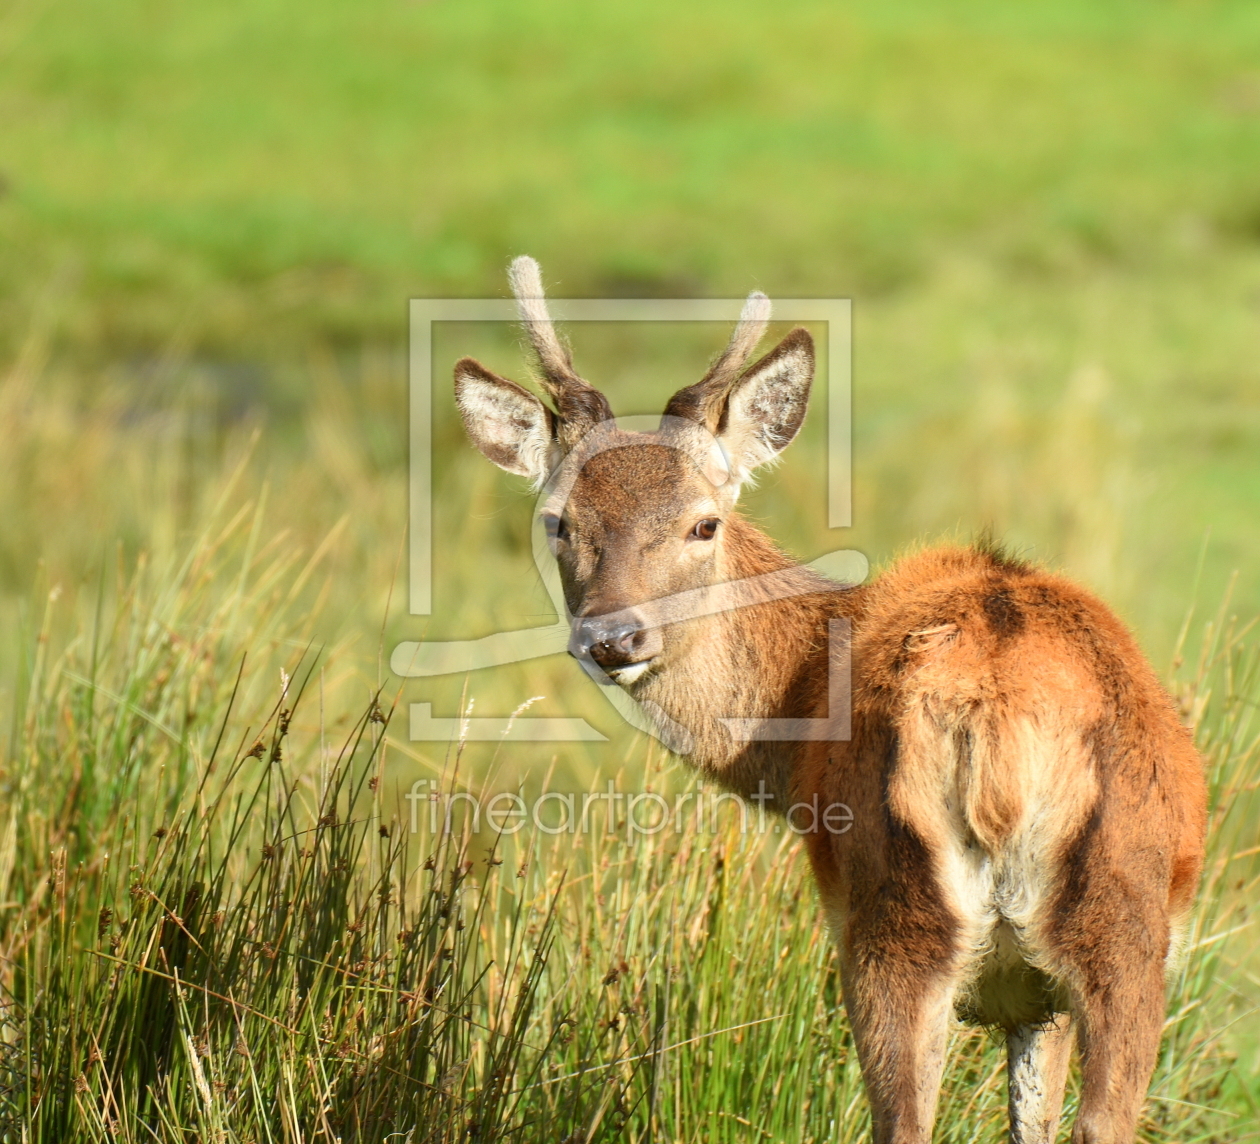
509, 425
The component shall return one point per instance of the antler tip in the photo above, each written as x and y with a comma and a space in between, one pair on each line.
525, 275
756, 309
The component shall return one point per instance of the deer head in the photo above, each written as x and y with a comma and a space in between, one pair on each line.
635, 518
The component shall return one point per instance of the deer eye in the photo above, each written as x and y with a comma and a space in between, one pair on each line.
555, 526
705, 529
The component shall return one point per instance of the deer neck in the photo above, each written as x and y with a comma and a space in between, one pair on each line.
768, 660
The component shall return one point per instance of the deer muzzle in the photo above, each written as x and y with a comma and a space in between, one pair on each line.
619, 643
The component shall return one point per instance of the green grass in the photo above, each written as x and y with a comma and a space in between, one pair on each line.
219, 923
205, 197
322, 160
210, 220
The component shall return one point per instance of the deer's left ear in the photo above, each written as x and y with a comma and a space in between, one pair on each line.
765, 408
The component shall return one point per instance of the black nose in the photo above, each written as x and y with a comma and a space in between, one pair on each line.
610, 644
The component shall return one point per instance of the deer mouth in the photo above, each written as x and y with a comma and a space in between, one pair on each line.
627, 673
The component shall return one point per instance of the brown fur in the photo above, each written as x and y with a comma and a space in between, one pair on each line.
1028, 811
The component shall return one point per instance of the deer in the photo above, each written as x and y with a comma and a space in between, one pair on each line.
1028, 810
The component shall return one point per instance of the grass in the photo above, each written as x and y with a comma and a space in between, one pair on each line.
210, 219
321, 162
221, 923
1015, 198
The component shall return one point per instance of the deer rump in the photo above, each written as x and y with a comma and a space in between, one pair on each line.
1022, 791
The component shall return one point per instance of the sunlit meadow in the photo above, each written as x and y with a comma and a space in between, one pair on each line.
215, 920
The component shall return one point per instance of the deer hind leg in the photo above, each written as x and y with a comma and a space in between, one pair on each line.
1121, 1018
1037, 1058
900, 1016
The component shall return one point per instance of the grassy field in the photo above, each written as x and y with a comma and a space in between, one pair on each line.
222, 923
1048, 217
234, 198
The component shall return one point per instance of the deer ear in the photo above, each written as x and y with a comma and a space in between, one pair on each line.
509, 425
765, 408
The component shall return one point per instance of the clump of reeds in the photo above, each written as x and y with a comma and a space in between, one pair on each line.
214, 930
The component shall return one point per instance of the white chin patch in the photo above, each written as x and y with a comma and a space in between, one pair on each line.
628, 674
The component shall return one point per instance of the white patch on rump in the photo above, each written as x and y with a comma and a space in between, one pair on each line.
1000, 892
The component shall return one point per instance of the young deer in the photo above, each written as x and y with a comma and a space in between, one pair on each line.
1028, 811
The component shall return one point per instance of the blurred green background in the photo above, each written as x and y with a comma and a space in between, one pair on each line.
212, 216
